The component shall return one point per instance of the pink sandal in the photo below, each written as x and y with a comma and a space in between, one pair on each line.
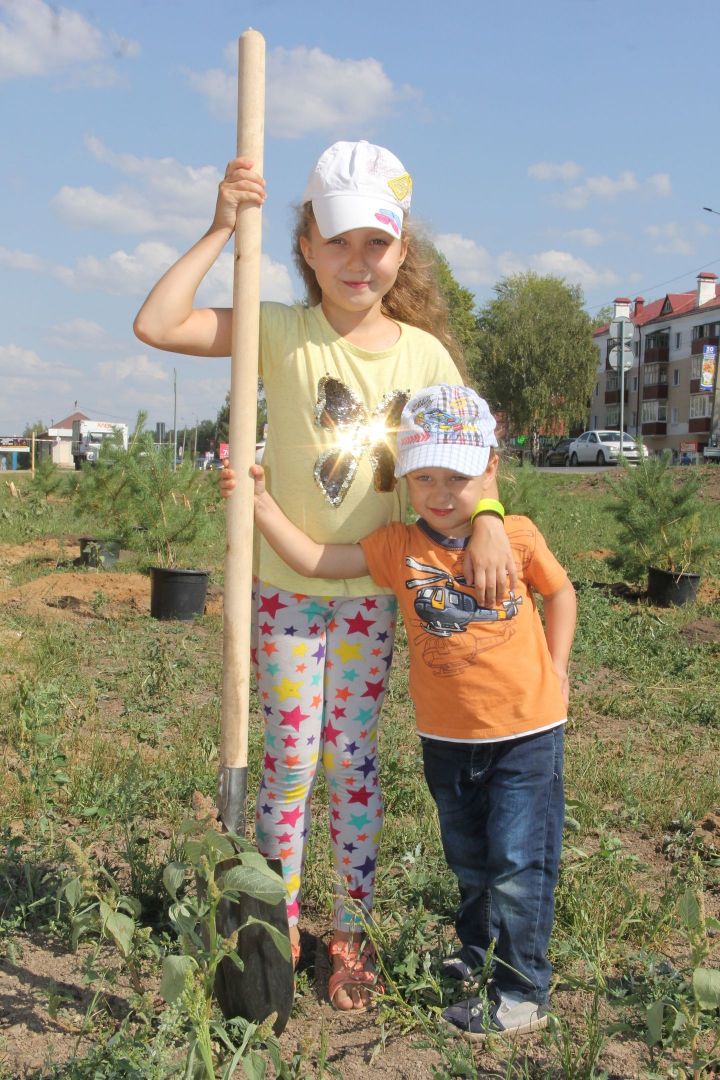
295, 955
357, 971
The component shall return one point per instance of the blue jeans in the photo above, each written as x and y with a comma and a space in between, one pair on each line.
501, 810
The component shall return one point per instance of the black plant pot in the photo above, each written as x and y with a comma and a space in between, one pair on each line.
667, 589
177, 594
94, 552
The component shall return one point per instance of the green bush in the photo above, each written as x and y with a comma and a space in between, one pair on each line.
661, 518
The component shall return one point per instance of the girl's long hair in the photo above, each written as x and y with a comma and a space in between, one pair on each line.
415, 298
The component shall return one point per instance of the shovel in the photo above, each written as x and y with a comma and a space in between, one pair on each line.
265, 984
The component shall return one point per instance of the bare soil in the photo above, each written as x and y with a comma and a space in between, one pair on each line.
43, 1004
44, 1000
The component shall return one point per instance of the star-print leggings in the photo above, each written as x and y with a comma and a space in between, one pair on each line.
321, 665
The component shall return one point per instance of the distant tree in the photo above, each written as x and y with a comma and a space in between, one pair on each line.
537, 361
207, 438
462, 316
37, 427
602, 316
223, 416
206, 435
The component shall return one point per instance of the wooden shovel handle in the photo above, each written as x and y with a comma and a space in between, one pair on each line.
243, 414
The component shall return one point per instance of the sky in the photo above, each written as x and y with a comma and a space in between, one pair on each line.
570, 137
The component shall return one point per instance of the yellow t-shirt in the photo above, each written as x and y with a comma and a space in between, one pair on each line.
474, 673
324, 392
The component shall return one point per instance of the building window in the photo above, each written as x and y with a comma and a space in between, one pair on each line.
659, 340
676, 377
705, 330
674, 415
654, 412
636, 348
612, 418
635, 379
696, 366
700, 406
678, 339
613, 381
597, 388
655, 375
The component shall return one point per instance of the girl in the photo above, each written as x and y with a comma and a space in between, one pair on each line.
336, 374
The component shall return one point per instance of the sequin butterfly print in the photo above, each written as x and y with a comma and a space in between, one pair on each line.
340, 410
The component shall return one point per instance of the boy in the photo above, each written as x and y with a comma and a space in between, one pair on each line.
490, 691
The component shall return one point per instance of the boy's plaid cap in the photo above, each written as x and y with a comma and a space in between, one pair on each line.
446, 427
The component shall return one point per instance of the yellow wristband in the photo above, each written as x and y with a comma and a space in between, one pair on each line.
492, 505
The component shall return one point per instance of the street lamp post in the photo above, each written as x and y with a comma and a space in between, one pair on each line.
174, 419
621, 333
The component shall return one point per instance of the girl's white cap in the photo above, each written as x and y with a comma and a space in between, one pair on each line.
445, 427
356, 185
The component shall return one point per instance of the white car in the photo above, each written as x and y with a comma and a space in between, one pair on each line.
603, 448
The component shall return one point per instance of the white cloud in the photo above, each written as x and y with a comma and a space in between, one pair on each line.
167, 198
24, 260
589, 237
124, 48
475, 266
14, 358
133, 273
608, 187
298, 101
472, 264
32, 387
547, 170
139, 369
79, 334
38, 39
35, 388
670, 239
660, 184
576, 271
597, 187
122, 212
123, 273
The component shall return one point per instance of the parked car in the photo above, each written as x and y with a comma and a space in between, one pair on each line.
559, 454
603, 448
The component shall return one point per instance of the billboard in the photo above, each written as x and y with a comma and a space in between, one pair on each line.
709, 363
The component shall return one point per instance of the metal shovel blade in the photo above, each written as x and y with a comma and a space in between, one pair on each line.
266, 983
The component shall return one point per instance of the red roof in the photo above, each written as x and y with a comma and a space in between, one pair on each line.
677, 304
68, 421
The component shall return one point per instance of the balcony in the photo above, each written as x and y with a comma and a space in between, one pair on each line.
655, 392
699, 423
612, 397
659, 355
655, 427
698, 344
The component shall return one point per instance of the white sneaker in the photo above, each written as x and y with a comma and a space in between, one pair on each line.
497, 1014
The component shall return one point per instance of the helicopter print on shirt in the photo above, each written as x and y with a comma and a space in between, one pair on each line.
444, 610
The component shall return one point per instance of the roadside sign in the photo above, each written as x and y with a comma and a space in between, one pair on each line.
614, 358
622, 328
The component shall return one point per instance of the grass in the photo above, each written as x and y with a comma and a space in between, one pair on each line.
111, 724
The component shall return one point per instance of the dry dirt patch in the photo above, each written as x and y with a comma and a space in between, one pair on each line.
701, 630
83, 594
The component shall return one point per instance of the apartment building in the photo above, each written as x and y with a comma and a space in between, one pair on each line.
670, 392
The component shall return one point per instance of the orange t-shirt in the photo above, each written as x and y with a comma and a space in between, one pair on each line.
475, 673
